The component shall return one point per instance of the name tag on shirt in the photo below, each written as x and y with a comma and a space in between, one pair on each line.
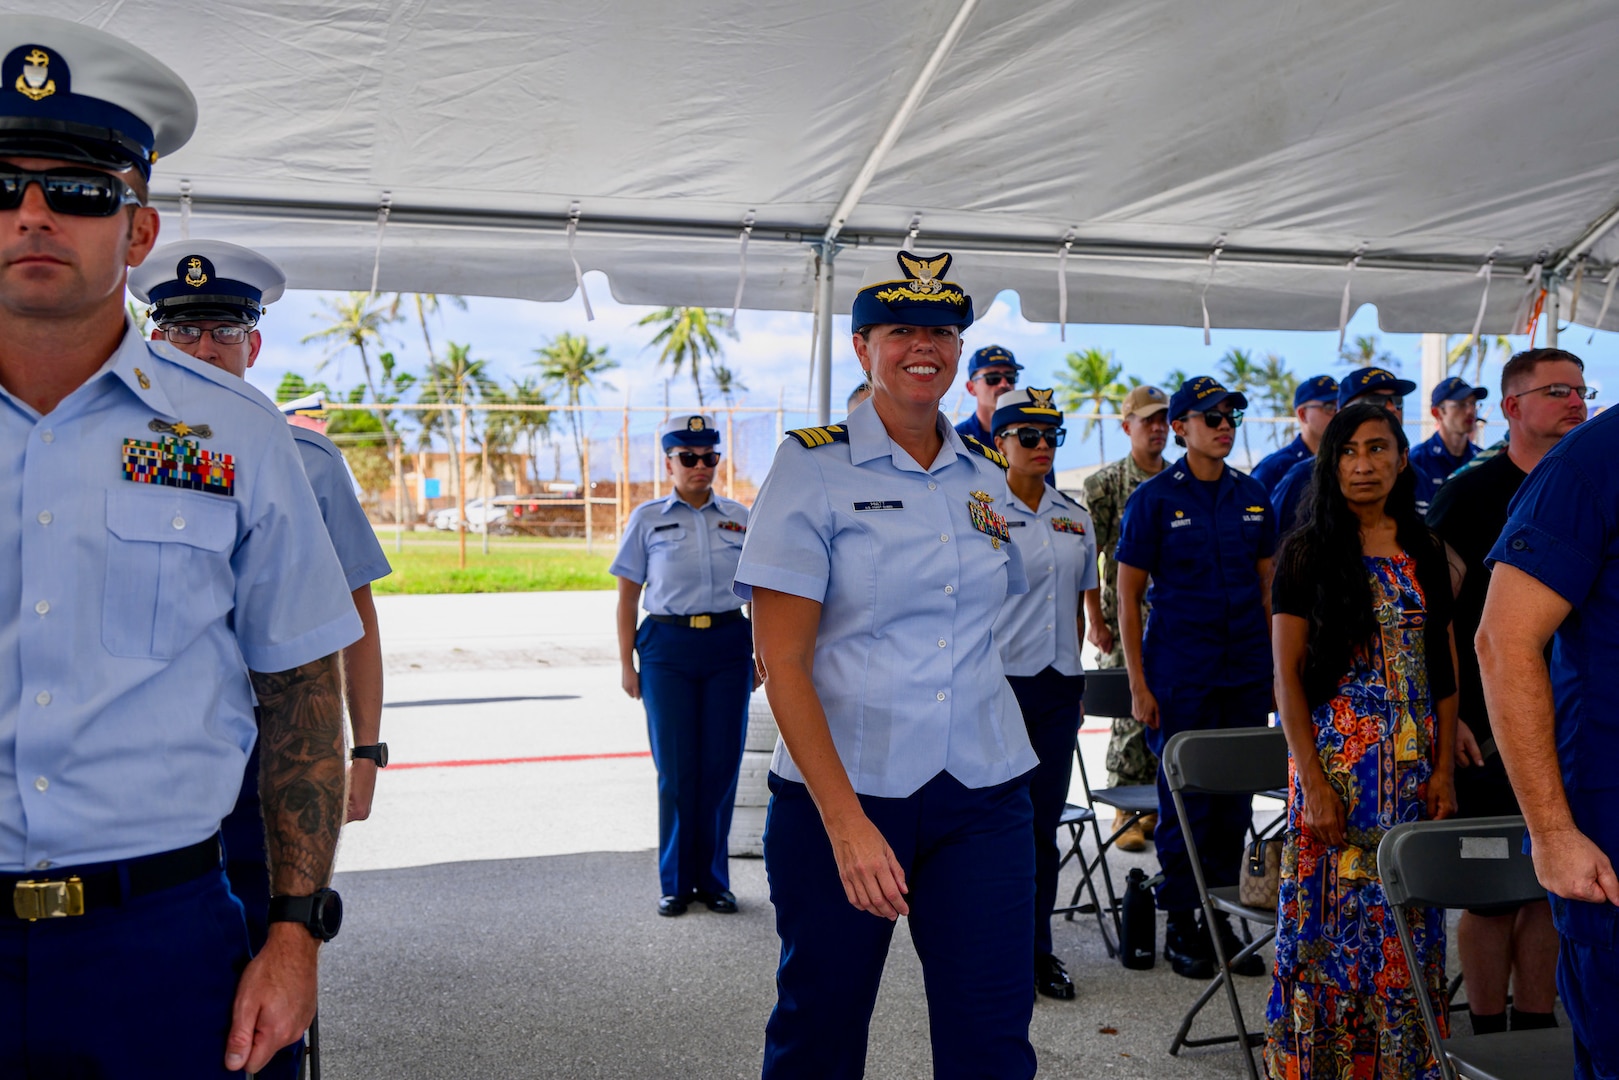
1016, 524
879, 504
660, 528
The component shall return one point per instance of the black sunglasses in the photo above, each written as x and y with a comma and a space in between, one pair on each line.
1214, 418
995, 378
76, 192
690, 460
1029, 437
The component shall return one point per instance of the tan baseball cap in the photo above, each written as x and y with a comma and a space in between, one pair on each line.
1143, 401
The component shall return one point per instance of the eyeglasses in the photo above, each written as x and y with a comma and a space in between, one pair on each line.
689, 460
995, 378
76, 192
1560, 390
1214, 418
182, 334
1388, 401
1328, 407
1029, 437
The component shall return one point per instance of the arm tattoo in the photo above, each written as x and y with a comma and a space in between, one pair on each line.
301, 772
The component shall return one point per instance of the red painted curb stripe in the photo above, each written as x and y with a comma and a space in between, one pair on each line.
516, 760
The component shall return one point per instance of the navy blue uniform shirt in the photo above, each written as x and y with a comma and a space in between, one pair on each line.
1289, 492
1201, 543
1564, 532
1433, 465
1272, 467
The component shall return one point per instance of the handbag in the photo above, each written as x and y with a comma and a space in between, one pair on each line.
1259, 883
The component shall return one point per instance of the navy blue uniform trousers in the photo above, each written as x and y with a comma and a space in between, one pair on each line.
1051, 704
969, 865
142, 990
1219, 823
695, 685
247, 865
1588, 983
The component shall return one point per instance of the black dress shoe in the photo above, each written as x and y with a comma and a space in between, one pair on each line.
671, 906
1051, 978
1232, 945
723, 901
1187, 947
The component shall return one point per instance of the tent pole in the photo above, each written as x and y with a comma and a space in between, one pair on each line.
823, 338
1553, 310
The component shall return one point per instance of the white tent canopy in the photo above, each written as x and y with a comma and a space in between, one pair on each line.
1139, 135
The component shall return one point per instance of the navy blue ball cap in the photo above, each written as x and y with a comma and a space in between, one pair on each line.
1315, 388
1456, 389
74, 93
1201, 393
921, 298
991, 356
689, 433
1369, 380
207, 279
1025, 406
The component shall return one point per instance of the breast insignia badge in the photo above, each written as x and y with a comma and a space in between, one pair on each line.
982, 496
181, 430
988, 522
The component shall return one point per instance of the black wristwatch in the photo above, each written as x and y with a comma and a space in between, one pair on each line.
321, 912
377, 752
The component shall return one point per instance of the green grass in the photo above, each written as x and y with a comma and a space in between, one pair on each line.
430, 563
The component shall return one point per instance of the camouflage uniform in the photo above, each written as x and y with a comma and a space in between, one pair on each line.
1106, 491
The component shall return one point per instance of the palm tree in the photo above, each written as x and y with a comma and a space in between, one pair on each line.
1277, 386
456, 380
726, 383
1240, 374
1091, 379
357, 321
1364, 352
1173, 379
1471, 348
570, 364
687, 337
520, 427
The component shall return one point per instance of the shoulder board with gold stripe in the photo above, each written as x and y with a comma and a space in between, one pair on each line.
811, 437
979, 448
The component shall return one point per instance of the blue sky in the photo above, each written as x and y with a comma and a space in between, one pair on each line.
772, 352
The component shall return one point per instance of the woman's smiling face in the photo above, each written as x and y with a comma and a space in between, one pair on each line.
912, 365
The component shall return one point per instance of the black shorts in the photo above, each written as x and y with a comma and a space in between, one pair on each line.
1485, 791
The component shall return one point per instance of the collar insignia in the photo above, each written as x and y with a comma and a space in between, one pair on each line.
140, 377
194, 275
35, 82
181, 430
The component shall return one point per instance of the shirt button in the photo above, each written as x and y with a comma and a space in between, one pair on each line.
948, 589
178, 522
43, 697
43, 864
941, 643
47, 436
1051, 596
1048, 626
933, 485
41, 783
941, 695
1045, 543
1519, 544
42, 607
44, 517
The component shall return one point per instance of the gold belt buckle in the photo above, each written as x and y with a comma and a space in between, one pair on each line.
701, 622
34, 900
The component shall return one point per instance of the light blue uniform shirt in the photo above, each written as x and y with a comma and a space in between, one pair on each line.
1040, 628
352, 536
131, 612
685, 557
906, 665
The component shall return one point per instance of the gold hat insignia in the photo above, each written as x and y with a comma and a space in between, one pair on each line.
35, 82
695, 424
194, 275
925, 274
1040, 399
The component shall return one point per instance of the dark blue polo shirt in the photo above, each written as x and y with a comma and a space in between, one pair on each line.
1271, 468
1288, 492
1201, 542
1563, 530
1433, 465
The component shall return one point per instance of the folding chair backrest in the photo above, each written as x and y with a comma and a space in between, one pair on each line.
1233, 761
1460, 862
1107, 693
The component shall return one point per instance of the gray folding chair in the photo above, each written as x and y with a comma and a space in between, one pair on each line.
1469, 862
1107, 696
1238, 761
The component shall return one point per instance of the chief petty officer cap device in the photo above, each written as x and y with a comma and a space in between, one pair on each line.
207, 279
74, 93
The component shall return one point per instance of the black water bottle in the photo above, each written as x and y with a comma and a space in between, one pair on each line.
1138, 945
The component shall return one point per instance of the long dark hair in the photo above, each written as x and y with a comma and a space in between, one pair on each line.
1323, 551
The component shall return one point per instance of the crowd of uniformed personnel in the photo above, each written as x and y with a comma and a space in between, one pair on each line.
191, 580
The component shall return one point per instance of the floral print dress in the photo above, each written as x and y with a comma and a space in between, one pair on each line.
1342, 1005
